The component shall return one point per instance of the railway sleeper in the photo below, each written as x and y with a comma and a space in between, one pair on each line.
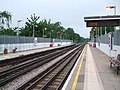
39, 86
60, 77
49, 76
56, 83
52, 87
42, 82
57, 80
63, 75
46, 79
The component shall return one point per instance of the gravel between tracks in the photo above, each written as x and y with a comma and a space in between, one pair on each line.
26, 77
5, 67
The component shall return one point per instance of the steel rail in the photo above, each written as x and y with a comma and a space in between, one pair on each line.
30, 62
22, 58
30, 84
17, 71
63, 70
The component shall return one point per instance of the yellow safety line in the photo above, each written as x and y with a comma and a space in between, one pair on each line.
78, 72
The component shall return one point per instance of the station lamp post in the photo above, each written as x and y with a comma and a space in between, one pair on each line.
34, 26
51, 34
33, 30
111, 7
18, 26
50, 38
44, 33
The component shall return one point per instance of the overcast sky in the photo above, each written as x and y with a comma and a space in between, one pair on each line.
70, 13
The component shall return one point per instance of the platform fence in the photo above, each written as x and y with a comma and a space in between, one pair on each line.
28, 43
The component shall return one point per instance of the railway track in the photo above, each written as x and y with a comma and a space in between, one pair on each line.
54, 77
22, 58
10, 74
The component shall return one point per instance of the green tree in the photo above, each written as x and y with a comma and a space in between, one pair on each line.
5, 18
50, 30
70, 33
31, 26
9, 31
77, 38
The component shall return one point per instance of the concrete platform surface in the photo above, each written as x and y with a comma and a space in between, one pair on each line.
98, 74
95, 72
108, 76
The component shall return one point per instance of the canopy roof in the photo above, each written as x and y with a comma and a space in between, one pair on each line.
102, 21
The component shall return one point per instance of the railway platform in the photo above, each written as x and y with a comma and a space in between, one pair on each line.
92, 72
17, 54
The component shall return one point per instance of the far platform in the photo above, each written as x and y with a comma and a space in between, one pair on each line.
17, 54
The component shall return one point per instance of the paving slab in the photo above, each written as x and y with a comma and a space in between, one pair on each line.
92, 80
109, 79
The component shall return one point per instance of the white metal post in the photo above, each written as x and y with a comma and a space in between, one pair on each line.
114, 10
